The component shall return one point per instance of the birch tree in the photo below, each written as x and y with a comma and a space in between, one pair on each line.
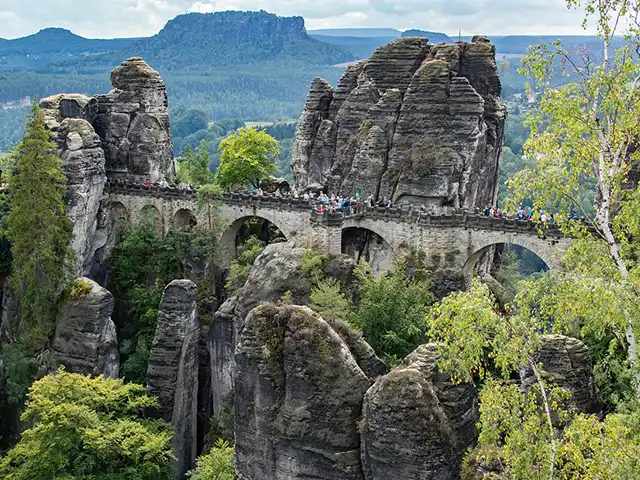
588, 131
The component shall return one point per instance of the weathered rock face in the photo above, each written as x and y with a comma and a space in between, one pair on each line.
298, 398
84, 166
417, 423
133, 123
276, 271
85, 338
416, 123
566, 360
123, 134
172, 375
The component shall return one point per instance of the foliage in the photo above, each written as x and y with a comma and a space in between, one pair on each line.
241, 266
246, 158
38, 229
215, 465
587, 129
19, 372
221, 426
313, 265
89, 428
520, 430
391, 311
141, 265
186, 121
328, 300
75, 291
193, 166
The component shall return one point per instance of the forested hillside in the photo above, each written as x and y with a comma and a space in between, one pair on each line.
248, 65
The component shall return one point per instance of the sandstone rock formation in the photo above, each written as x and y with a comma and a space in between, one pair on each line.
133, 123
416, 123
416, 423
85, 338
298, 398
172, 375
84, 166
566, 360
123, 134
276, 271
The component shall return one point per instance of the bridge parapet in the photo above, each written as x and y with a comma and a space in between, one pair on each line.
437, 217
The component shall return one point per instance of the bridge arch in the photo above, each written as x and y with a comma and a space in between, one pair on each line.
151, 212
365, 243
544, 249
120, 215
228, 239
183, 219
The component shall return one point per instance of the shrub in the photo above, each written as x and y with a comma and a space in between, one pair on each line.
89, 428
215, 465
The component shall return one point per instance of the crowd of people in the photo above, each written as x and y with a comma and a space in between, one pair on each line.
523, 214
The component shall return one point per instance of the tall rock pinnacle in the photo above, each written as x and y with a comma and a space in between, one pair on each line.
416, 123
133, 123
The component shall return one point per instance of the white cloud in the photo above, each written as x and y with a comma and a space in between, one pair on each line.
119, 18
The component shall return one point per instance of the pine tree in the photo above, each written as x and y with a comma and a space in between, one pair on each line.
38, 229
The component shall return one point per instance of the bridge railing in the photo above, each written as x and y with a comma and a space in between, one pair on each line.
435, 217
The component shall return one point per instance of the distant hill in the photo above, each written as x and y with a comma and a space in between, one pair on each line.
357, 32
247, 65
434, 37
233, 38
59, 40
52, 45
518, 44
361, 47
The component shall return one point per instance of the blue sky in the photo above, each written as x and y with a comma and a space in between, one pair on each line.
126, 18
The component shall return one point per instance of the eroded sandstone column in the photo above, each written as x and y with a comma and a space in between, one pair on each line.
298, 398
416, 423
133, 123
172, 375
85, 339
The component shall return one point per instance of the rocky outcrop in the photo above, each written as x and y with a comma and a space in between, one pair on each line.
172, 375
84, 166
298, 399
276, 271
416, 422
567, 362
124, 135
133, 123
85, 337
416, 123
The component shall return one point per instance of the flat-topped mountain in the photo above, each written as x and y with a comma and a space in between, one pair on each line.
195, 40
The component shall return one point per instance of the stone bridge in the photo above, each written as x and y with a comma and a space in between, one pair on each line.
452, 240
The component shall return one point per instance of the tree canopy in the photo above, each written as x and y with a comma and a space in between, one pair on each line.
588, 130
246, 158
193, 166
83, 428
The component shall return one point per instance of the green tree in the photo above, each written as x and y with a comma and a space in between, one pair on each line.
215, 465
83, 428
246, 158
193, 166
588, 129
328, 300
522, 431
38, 229
391, 311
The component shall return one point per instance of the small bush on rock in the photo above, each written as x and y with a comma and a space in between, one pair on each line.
216, 465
